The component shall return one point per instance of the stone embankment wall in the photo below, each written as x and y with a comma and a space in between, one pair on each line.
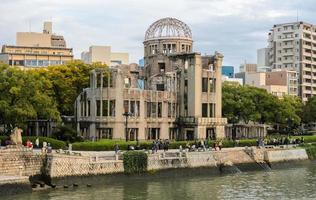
22, 162
19, 161
61, 165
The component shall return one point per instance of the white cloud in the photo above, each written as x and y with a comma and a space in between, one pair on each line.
235, 27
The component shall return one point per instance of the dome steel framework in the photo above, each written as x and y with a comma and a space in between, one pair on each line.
168, 28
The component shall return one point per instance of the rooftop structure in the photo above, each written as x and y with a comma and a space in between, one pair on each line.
168, 28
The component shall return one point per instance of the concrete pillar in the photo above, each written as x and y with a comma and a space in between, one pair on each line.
36, 128
92, 130
218, 75
201, 132
220, 133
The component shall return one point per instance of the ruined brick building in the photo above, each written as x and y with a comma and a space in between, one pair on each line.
176, 95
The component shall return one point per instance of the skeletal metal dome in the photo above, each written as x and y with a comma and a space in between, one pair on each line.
168, 28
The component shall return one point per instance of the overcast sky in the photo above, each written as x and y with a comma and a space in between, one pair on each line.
237, 28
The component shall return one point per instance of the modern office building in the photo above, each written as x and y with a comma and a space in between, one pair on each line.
248, 67
293, 46
278, 83
244, 69
141, 62
228, 71
37, 49
181, 99
104, 55
288, 78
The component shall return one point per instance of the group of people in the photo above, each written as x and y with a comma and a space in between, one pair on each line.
160, 145
279, 141
203, 145
47, 148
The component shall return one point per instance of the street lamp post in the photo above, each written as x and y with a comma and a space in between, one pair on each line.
126, 114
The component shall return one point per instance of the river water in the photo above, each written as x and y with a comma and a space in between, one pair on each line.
287, 183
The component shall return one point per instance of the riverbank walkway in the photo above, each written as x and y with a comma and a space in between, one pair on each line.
113, 154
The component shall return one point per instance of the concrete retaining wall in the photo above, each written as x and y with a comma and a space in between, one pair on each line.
285, 155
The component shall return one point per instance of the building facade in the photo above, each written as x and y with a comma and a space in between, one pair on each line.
31, 57
37, 49
248, 67
288, 78
278, 83
181, 98
263, 57
293, 46
104, 55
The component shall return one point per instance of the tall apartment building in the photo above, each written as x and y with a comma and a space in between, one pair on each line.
181, 99
293, 46
37, 49
104, 55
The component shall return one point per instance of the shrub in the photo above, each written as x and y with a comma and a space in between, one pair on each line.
248, 142
135, 162
67, 134
3, 138
310, 150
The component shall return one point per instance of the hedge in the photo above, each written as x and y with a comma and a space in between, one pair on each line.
108, 145
310, 150
135, 162
56, 144
307, 138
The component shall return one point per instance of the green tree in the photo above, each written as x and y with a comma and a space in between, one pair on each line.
246, 103
68, 81
25, 95
309, 110
238, 103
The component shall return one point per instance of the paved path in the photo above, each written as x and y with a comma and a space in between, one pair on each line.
112, 153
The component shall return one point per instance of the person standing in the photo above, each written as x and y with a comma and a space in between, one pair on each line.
220, 144
37, 143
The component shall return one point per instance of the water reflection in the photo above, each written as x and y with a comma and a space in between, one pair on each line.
292, 183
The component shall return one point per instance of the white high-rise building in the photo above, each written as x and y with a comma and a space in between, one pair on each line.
292, 46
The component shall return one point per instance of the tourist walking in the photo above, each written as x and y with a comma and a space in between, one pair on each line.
116, 148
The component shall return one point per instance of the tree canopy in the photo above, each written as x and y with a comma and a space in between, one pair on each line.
246, 103
309, 111
44, 93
